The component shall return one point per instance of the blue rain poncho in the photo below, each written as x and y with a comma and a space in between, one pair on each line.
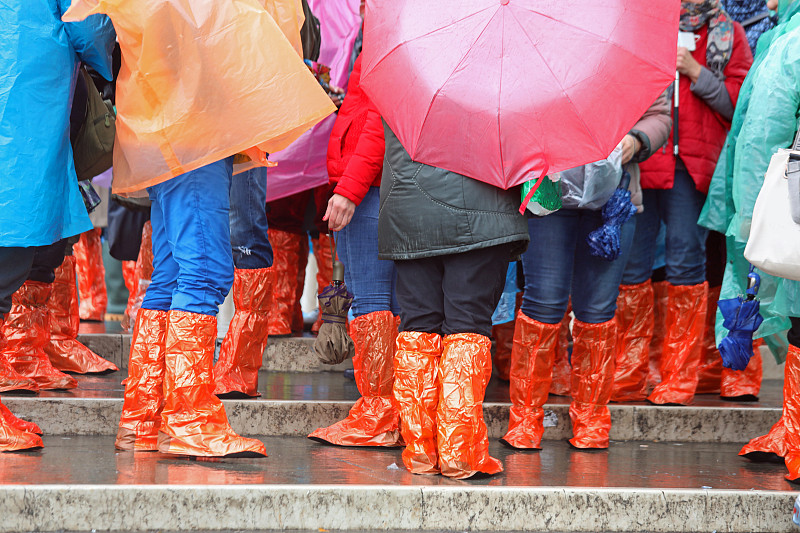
39, 198
765, 120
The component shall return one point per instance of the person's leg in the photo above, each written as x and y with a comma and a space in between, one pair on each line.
595, 289
635, 302
373, 420
473, 283
687, 292
27, 328
416, 359
548, 275
241, 354
15, 265
91, 276
196, 221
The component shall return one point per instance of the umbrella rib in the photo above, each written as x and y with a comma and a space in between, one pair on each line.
588, 32
571, 103
455, 69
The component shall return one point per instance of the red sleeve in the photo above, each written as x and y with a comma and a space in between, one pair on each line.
366, 164
739, 64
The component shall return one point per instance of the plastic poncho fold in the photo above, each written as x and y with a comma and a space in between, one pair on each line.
39, 198
202, 80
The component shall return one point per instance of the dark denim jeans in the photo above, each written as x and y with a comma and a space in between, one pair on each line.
685, 252
192, 262
249, 242
558, 264
371, 280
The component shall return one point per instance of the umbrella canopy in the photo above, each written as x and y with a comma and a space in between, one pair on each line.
741, 318
500, 89
333, 344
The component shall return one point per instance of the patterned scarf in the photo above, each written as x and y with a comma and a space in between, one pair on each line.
720, 30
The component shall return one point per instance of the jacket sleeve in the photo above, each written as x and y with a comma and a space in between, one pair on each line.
366, 162
93, 39
737, 68
653, 128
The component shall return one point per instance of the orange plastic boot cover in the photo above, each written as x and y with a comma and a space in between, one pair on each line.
660, 298
193, 421
773, 444
593, 358
63, 349
10, 379
285, 266
91, 275
461, 435
322, 253
683, 345
560, 385
503, 335
709, 373
531, 370
374, 419
242, 351
27, 331
791, 412
14, 433
634, 332
744, 384
129, 276
144, 388
416, 360
142, 276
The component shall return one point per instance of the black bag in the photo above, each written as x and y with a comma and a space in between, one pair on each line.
310, 34
93, 145
124, 232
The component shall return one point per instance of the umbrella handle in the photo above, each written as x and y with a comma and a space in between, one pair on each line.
675, 108
753, 283
337, 268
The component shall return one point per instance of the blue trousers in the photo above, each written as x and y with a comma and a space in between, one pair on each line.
685, 251
558, 263
371, 280
192, 261
249, 242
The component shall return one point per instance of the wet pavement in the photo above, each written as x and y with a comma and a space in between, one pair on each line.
333, 386
93, 460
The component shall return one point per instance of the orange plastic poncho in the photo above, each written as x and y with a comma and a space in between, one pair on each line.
202, 80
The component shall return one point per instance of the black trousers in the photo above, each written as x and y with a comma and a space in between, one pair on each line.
18, 265
454, 293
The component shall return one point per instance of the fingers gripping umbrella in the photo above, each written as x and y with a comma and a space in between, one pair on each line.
742, 319
604, 241
501, 89
333, 344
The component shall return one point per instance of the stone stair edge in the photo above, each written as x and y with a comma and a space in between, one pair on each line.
129, 508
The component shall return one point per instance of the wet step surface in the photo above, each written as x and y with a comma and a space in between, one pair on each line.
295, 404
81, 483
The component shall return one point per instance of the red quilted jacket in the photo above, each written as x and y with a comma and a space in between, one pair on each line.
356, 146
702, 130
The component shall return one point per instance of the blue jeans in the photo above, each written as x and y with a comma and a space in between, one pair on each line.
192, 262
248, 218
685, 252
558, 263
371, 280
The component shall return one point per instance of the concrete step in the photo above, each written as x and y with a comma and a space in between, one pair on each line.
288, 354
81, 484
295, 404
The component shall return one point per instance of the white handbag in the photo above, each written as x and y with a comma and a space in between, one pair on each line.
774, 242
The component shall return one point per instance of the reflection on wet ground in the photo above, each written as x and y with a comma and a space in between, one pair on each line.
322, 386
292, 460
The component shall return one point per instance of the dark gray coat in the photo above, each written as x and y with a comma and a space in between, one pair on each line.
427, 211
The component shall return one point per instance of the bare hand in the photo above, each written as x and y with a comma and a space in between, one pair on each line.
688, 65
630, 147
336, 94
340, 212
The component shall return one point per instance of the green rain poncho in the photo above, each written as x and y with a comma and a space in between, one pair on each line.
765, 120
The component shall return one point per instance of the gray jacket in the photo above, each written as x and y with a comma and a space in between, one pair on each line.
427, 211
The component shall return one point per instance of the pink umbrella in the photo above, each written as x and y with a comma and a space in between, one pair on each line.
302, 165
505, 90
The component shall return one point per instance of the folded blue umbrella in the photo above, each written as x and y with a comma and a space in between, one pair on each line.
742, 319
604, 241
